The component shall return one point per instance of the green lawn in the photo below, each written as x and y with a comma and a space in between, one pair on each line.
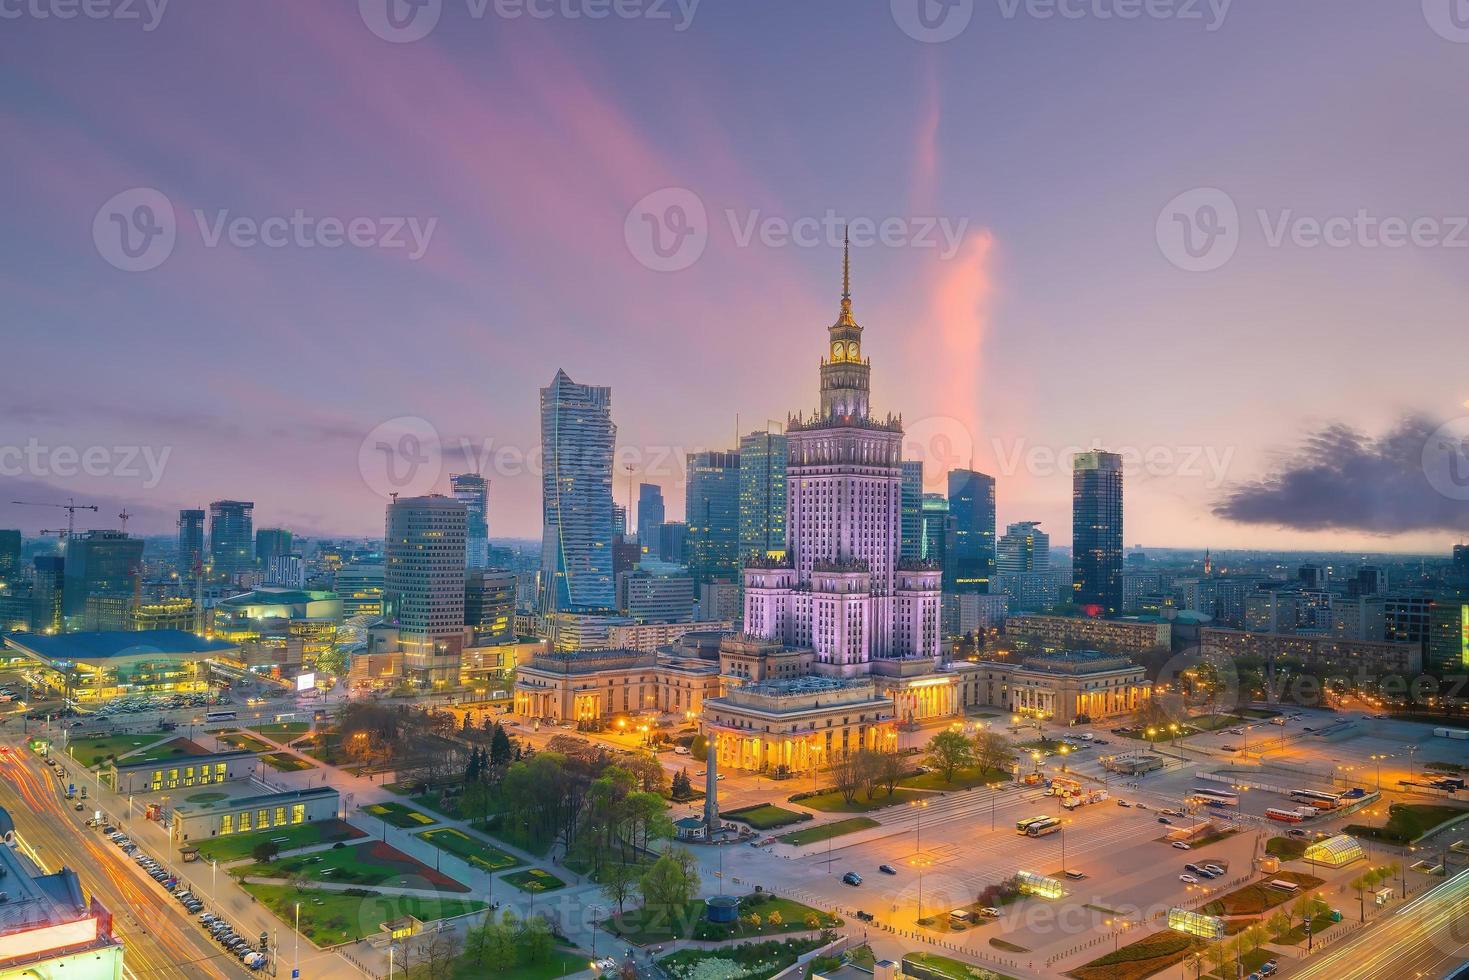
373, 863
237, 847
94, 749
832, 801
399, 815
948, 967
534, 880
1258, 898
827, 831
208, 796
1319, 924
764, 816
963, 779
330, 918
1407, 822
560, 963
752, 959
642, 926
1286, 848
244, 740
476, 852
1140, 959
285, 762
282, 728
176, 748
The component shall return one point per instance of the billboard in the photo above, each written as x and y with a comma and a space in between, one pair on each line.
306, 682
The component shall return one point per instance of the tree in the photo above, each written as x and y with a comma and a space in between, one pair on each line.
436, 955
682, 789
699, 748
754, 920
845, 777
501, 949
775, 919
670, 883
992, 751
1278, 924
535, 937
619, 881
1217, 955
948, 752
889, 770
813, 921
265, 852
868, 770
500, 748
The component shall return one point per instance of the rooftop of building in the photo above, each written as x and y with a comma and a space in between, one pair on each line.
35, 901
278, 597
240, 796
180, 749
808, 684
1074, 662
116, 643
591, 661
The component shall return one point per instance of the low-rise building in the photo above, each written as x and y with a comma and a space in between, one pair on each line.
249, 814
1081, 633
596, 685
649, 637
1062, 687
1377, 657
176, 764
103, 665
797, 723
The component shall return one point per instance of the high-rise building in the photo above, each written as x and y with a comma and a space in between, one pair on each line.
969, 559
1313, 577
190, 560
712, 511
231, 534
934, 514
102, 580
47, 588
10, 566
619, 520
578, 436
910, 545
840, 590
1371, 580
287, 571
473, 491
1023, 548
673, 542
489, 605
360, 584
650, 516
1096, 531
423, 585
271, 543
1461, 562
1447, 646
762, 462
657, 592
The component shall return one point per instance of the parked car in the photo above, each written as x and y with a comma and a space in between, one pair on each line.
1076, 875
1214, 869
1181, 845
1192, 869
1269, 967
1190, 879
852, 878
1123, 803
990, 912
864, 916
887, 869
1165, 820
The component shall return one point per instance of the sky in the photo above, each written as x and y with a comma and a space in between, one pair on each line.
309, 254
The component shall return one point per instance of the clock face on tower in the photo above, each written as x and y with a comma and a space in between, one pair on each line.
852, 351
836, 351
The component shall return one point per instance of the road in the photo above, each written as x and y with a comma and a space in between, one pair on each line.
161, 941
1426, 938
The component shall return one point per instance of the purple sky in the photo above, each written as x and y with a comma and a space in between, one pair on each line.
519, 148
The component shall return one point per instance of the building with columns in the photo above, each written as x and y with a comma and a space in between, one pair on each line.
796, 723
1062, 687
592, 686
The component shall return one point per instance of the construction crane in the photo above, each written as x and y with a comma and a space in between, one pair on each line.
71, 507
124, 518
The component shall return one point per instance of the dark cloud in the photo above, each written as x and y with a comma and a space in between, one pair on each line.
1343, 479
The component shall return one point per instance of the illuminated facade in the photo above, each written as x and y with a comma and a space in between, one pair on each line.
48, 926
600, 685
98, 666
795, 724
423, 585
247, 814
177, 764
1063, 687
279, 631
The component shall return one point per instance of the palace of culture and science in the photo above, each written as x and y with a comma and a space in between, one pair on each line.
841, 640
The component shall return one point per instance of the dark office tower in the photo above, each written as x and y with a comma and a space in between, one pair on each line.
1313, 577
1096, 532
910, 542
191, 543
713, 513
650, 516
473, 491
935, 514
762, 494
576, 496
1371, 580
1023, 548
619, 520
673, 542
231, 533
969, 559
270, 544
489, 605
101, 580
9, 555
46, 593
1461, 562
424, 585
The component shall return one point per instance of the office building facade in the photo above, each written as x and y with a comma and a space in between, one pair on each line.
1023, 548
712, 513
423, 585
578, 437
969, 554
1096, 532
762, 494
231, 538
473, 491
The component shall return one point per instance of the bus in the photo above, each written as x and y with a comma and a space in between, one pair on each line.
219, 716
1021, 826
1321, 801
1284, 816
1215, 797
1043, 827
1283, 885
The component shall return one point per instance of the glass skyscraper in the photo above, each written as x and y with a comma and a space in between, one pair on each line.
910, 546
1096, 532
191, 543
650, 516
969, 559
231, 538
424, 585
762, 494
934, 527
578, 436
1024, 548
712, 509
473, 491
101, 579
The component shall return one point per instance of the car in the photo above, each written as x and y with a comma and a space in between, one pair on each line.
864, 916
1206, 873
1165, 820
681, 750
1174, 813
1296, 832
79, 805
1214, 869
109, 829
1269, 967
702, 772
1123, 803
208, 917
990, 912
1141, 806
1192, 869
852, 878
1190, 879
1182, 845
887, 869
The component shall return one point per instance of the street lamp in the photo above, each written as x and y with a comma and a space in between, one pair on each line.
921, 805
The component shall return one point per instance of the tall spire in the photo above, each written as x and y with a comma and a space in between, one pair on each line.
845, 320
